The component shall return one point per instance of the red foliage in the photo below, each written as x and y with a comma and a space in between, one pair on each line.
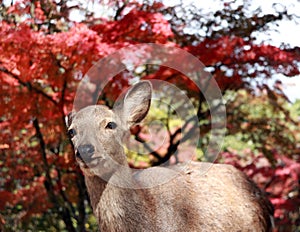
280, 181
237, 58
147, 28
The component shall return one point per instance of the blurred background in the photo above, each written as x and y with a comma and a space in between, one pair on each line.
251, 48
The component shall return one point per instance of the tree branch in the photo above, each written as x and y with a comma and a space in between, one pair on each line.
65, 214
154, 153
28, 85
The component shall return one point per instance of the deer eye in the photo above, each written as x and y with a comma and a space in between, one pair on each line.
71, 133
111, 125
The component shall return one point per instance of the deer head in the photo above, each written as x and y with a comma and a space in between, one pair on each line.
97, 131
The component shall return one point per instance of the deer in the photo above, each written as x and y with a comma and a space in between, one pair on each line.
221, 199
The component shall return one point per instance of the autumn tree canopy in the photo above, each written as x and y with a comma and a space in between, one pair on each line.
44, 54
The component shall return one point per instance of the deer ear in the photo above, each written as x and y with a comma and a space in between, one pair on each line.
136, 103
69, 118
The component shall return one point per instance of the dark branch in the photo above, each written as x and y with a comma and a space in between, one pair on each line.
65, 214
28, 85
154, 153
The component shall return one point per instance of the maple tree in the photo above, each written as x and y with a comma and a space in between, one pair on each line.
44, 55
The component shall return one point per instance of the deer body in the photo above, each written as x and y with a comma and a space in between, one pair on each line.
222, 199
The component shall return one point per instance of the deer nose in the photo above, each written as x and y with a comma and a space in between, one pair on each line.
85, 151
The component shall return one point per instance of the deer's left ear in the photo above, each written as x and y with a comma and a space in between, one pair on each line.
136, 103
69, 118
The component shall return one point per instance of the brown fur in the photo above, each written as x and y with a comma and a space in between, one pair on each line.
221, 199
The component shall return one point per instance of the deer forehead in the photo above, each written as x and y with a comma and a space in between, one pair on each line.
93, 115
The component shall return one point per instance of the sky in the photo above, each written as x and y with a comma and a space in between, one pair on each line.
285, 29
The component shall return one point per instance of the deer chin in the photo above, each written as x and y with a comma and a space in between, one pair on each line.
98, 164
95, 167
90, 163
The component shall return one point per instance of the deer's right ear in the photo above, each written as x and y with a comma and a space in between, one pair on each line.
69, 118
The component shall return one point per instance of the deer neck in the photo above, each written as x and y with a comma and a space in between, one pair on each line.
95, 187
112, 175
122, 205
